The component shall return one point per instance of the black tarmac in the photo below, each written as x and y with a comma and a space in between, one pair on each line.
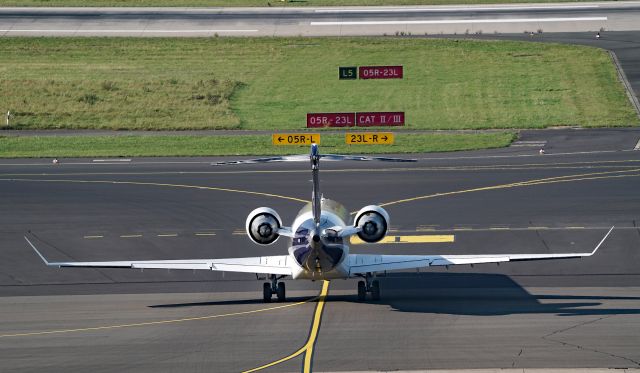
569, 313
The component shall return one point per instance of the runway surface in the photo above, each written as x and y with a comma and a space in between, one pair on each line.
574, 313
562, 17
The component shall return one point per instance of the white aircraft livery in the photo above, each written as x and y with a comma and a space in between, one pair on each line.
319, 248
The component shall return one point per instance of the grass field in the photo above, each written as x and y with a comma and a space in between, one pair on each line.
239, 3
271, 83
147, 146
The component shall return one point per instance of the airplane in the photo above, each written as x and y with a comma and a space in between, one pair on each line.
319, 246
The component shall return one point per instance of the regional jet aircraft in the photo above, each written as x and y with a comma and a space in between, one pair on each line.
319, 248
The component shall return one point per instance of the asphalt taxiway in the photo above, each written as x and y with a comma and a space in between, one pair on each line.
551, 314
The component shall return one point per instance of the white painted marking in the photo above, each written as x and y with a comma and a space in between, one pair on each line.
637, 145
144, 31
92, 237
458, 21
168, 235
462, 9
112, 160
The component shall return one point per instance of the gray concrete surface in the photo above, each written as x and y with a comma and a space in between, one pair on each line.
553, 314
562, 17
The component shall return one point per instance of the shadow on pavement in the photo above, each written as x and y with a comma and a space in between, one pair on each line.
464, 294
485, 294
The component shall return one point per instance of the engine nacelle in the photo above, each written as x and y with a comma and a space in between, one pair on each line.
262, 226
373, 221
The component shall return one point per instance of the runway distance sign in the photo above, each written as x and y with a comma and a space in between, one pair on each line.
348, 73
295, 138
318, 120
381, 72
369, 138
380, 119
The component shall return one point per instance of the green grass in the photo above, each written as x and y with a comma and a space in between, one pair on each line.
147, 146
238, 3
271, 83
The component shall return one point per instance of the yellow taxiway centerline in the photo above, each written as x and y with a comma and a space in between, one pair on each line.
307, 349
429, 238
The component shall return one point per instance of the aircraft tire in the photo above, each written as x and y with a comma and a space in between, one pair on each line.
266, 292
362, 291
281, 292
375, 290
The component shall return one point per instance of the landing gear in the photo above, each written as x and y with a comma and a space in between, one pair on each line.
369, 285
274, 287
280, 292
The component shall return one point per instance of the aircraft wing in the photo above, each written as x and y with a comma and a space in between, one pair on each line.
363, 263
275, 265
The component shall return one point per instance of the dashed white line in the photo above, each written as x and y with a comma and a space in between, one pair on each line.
457, 21
168, 235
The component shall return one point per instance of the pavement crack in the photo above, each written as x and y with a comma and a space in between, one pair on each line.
549, 336
513, 364
543, 241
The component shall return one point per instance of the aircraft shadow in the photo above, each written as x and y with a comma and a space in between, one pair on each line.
483, 295
463, 294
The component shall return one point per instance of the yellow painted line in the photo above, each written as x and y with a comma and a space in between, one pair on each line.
163, 185
550, 180
205, 234
161, 322
131, 236
168, 235
432, 238
307, 349
92, 237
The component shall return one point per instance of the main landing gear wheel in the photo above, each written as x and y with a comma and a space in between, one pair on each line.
266, 292
280, 292
362, 291
368, 286
274, 287
375, 290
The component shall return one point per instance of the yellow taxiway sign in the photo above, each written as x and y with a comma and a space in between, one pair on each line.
295, 138
369, 138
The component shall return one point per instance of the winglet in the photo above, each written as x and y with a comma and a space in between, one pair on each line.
37, 252
602, 241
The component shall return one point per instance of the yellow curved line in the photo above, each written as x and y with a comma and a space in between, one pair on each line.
163, 185
156, 322
307, 349
549, 180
